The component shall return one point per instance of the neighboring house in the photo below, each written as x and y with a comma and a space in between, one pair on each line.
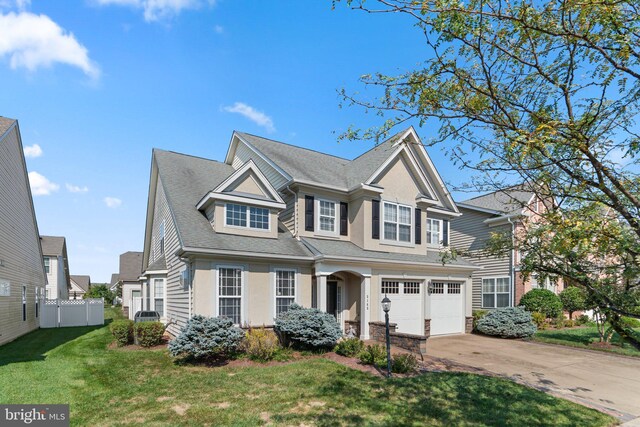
129, 279
80, 285
276, 224
22, 276
113, 287
56, 265
499, 282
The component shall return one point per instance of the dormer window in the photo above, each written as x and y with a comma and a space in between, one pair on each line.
246, 216
397, 222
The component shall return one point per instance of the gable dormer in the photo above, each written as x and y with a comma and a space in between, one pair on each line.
244, 204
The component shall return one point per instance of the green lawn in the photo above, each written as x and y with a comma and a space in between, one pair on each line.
119, 387
581, 338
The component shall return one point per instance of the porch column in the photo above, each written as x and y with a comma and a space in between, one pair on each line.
365, 307
322, 292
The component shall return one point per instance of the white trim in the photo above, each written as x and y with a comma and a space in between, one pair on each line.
384, 261
231, 253
148, 272
243, 289
296, 287
164, 295
336, 206
445, 213
438, 244
262, 156
247, 219
397, 241
479, 209
495, 291
239, 199
249, 166
502, 219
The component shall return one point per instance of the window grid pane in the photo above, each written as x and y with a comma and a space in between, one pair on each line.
390, 287
390, 231
453, 288
488, 300
282, 305
259, 218
327, 216
404, 234
230, 307
411, 287
285, 283
437, 288
230, 282
404, 216
390, 212
236, 215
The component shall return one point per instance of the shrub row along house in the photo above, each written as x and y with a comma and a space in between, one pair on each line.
276, 224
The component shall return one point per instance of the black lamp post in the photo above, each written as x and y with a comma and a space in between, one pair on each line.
386, 306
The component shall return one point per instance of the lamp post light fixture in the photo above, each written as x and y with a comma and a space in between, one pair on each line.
386, 306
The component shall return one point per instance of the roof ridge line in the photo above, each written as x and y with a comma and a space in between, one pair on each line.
294, 146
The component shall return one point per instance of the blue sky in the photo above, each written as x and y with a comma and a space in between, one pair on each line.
96, 84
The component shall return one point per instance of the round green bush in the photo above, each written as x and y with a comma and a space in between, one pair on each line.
404, 363
573, 299
307, 328
543, 301
122, 330
508, 322
206, 338
148, 334
261, 344
373, 355
349, 347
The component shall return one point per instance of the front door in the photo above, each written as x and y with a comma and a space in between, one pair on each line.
332, 298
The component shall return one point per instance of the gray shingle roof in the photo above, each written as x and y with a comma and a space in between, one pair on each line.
186, 179
130, 266
159, 264
114, 279
52, 245
505, 201
309, 165
341, 248
82, 281
5, 124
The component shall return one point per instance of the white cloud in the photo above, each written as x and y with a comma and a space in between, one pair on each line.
76, 188
32, 151
219, 29
112, 202
155, 10
40, 185
258, 117
32, 41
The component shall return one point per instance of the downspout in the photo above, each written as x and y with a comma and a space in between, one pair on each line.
512, 270
295, 211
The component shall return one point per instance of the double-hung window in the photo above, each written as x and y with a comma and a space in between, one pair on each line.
285, 290
247, 216
495, 292
158, 295
326, 216
230, 293
434, 231
47, 264
397, 222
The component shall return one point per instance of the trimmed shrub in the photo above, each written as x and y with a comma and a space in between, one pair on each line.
404, 363
539, 319
558, 322
543, 301
307, 328
508, 322
569, 323
148, 334
477, 315
349, 347
207, 338
122, 330
583, 319
573, 299
261, 344
373, 355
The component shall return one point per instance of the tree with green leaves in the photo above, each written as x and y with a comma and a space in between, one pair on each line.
543, 93
100, 291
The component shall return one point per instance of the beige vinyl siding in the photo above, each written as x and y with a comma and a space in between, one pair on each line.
19, 246
287, 216
243, 154
469, 232
177, 303
209, 212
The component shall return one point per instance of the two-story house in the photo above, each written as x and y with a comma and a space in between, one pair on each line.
499, 282
80, 285
22, 277
56, 265
276, 224
128, 279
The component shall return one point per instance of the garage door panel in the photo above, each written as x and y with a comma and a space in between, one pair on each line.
406, 305
447, 308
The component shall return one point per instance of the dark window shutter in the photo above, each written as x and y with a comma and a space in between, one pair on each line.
445, 232
375, 219
308, 213
418, 226
344, 218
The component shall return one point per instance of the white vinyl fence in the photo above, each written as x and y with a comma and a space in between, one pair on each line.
58, 313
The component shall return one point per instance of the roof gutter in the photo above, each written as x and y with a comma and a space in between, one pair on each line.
395, 262
187, 250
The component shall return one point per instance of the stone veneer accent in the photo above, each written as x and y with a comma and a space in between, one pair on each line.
468, 324
427, 328
413, 343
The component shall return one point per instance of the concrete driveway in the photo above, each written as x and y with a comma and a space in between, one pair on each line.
605, 382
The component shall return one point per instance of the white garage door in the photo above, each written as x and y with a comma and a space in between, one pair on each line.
447, 308
406, 305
